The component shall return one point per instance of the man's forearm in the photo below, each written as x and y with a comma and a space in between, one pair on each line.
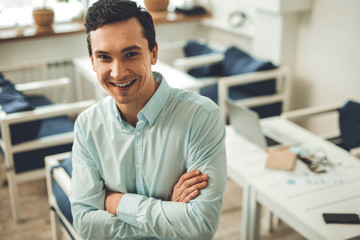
100, 224
112, 201
165, 219
186, 189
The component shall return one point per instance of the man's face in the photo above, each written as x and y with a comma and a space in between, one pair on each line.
122, 61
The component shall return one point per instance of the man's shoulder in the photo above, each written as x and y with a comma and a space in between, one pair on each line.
100, 108
192, 100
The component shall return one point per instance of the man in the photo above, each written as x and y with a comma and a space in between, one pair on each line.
149, 161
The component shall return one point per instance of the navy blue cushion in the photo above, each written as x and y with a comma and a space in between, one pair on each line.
237, 61
349, 123
194, 48
23, 132
48, 127
32, 160
12, 100
62, 199
235, 94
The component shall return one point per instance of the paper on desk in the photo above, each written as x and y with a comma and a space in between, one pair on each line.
302, 175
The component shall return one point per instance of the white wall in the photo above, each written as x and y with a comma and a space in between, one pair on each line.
327, 67
43, 48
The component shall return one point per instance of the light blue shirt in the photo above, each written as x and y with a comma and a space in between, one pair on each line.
177, 131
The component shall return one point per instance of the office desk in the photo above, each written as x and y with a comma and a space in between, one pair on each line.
299, 205
245, 161
174, 77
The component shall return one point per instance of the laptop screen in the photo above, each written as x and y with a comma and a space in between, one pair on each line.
246, 123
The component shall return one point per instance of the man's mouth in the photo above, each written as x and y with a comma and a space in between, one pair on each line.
125, 84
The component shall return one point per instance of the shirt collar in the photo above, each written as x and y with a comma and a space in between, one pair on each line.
155, 104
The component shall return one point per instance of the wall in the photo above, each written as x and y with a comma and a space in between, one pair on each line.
19, 51
327, 67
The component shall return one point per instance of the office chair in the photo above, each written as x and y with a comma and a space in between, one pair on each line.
233, 73
32, 127
58, 180
347, 135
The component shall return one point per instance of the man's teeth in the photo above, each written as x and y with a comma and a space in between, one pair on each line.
124, 84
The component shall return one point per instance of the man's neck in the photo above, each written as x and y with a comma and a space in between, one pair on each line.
130, 111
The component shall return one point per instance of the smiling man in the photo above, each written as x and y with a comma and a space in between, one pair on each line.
149, 161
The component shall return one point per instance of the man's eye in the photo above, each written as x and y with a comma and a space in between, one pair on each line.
103, 57
131, 54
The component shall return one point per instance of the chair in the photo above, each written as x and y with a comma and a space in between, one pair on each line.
58, 180
32, 127
232, 73
347, 135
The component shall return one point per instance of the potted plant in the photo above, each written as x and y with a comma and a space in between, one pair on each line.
156, 5
44, 17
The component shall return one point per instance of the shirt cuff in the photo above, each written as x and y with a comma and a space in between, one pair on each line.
127, 209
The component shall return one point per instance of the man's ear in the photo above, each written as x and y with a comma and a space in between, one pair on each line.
154, 54
92, 62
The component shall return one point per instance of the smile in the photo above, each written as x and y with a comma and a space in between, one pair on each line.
124, 84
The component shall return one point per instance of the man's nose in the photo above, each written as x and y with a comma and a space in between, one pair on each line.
118, 70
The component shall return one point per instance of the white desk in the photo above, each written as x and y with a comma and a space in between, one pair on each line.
174, 77
299, 205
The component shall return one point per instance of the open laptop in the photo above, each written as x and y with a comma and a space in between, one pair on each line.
246, 123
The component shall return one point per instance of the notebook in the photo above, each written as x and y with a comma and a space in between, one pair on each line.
246, 123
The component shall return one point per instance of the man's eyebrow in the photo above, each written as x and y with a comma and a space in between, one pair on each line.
101, 52
131, 48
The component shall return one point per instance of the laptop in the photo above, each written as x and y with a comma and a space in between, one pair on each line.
246, 123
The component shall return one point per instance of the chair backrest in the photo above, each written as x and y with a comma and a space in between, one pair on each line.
196, 48
61, 197
349, 124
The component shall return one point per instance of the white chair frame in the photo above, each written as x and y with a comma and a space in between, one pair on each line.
71, 109
306, 113
281, 74
60, 226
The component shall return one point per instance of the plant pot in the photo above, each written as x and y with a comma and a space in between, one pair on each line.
156, 5
43, 18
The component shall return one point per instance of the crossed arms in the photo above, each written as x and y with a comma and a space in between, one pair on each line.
187, 188
192, 212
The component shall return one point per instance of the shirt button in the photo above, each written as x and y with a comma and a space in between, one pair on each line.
138, 133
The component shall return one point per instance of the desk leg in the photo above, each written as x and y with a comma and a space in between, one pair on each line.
254, 216
245, 215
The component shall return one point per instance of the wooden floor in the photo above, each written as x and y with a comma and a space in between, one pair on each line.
36, 223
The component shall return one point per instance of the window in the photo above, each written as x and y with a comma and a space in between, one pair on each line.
18, 13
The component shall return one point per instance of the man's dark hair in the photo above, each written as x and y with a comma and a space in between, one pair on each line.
110, 11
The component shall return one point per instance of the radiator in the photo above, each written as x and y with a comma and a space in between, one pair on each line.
42, 70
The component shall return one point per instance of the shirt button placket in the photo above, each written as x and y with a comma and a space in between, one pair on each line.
138, 153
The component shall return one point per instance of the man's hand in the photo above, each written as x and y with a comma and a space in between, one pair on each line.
189, 185
112, 200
